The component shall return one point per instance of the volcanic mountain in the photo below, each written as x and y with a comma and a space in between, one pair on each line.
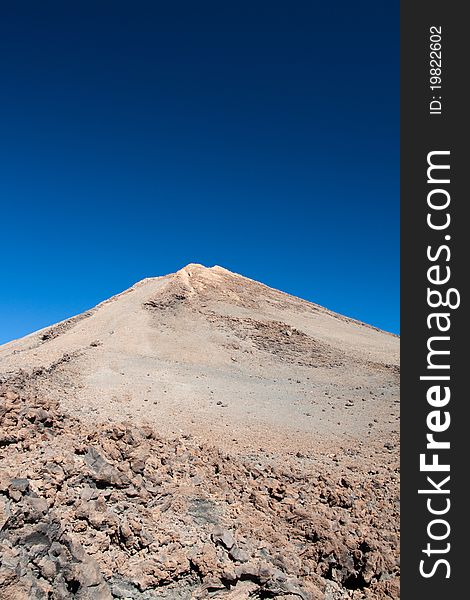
198, 436
207, 352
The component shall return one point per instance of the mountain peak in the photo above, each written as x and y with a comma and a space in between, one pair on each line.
192, 266
199, 267
201, 272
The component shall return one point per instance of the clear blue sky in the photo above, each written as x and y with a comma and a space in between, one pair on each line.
140, 136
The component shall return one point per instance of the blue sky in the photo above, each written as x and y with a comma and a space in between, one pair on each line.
140, 136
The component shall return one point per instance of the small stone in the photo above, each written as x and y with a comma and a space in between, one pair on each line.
125, 530
239, 555
224, 537
20, 485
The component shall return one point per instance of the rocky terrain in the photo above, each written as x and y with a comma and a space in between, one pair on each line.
198, 436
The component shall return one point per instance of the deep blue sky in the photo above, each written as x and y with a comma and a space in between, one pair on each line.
139, 136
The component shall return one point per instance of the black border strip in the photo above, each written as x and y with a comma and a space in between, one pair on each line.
422, 133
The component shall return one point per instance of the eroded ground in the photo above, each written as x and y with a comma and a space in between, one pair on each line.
116, 511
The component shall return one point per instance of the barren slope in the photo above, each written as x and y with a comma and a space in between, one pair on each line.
200, 436
215, 354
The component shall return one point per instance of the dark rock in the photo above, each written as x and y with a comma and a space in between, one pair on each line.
239, 555
223, 537
20, 485
102, 472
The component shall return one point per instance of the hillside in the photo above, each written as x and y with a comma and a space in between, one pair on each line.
200, 435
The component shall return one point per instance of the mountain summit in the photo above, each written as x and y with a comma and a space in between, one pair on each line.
212, 353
